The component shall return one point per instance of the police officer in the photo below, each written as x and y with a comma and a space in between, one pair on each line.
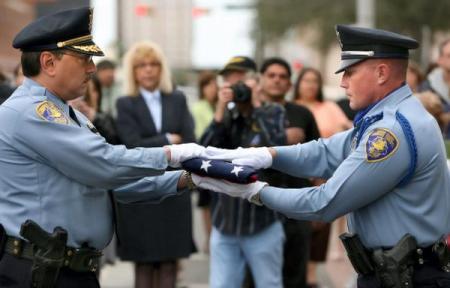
388, 174
55, 167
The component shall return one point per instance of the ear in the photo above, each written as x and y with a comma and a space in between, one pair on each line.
383, 72
48, 63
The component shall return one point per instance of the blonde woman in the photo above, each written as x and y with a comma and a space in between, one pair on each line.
153, 114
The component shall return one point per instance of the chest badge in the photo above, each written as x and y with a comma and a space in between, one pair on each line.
381, 144
50, 112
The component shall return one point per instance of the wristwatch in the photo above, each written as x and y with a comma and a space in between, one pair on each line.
189, 183
256, 199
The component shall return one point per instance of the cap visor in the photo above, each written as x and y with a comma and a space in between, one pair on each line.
347, 63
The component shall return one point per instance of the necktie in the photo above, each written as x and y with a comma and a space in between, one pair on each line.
73, 115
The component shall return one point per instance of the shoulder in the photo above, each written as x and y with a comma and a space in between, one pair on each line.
126, 100
296, 108
175, 94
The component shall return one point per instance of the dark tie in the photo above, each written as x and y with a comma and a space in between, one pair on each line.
73, 115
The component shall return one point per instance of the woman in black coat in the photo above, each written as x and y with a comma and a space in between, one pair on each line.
152, 114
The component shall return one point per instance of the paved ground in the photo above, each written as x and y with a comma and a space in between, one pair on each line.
194, 273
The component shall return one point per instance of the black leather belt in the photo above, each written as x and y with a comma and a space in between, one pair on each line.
77, 259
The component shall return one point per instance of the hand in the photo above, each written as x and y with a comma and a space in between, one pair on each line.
182, 152
174, 138
257, 158
224, 97
246, 191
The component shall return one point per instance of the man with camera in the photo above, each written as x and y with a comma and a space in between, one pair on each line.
244, 233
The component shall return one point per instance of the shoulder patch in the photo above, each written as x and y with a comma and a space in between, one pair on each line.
50, 112
381, 144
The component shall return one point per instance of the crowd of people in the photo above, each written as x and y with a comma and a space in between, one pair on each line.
248, 244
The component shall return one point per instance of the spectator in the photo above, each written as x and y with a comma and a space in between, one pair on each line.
414, 76
438, 80
203, 112
244, 233
275, 83
153, 114
308, 92
90, 107
106, 70
18, 75
330, 119
5, 89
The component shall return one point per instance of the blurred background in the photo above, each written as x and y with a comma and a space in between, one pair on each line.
202, 35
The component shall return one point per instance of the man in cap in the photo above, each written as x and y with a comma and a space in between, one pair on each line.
244, 233
56, 168
388, 174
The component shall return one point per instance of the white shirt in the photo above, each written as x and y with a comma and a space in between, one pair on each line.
153, 101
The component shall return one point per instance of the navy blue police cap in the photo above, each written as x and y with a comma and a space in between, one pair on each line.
69, 29
359, 44
221, 169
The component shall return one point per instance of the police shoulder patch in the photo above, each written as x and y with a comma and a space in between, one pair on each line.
381, 144
50, 112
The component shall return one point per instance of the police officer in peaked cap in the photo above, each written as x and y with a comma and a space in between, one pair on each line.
55, 212
388, 174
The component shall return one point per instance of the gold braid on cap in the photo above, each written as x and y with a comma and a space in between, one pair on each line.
88, 48
77, 40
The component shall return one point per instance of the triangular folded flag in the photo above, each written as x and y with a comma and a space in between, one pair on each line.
221, 169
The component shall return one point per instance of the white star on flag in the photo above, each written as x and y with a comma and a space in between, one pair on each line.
205, 165
236, 170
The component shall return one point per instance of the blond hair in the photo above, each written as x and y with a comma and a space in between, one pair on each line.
138, 52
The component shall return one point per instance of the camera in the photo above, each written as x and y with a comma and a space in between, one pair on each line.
241, 92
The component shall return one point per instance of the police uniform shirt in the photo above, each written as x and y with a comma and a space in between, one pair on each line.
365, 178
56, 171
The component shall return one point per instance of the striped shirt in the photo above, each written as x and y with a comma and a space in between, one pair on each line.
265, 127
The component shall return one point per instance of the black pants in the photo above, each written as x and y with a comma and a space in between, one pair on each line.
425, 276
296, 252
16, 273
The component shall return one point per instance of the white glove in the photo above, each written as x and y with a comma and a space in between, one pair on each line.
182, 152
255, 157
246, 191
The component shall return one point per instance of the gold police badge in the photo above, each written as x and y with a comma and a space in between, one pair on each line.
381, 144
50, 112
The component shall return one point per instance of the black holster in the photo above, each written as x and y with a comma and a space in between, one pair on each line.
3, 238
48, 250
358, 255
395, 267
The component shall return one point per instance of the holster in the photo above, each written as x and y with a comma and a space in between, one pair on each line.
358, 255
395, 267
3, 238
48, 252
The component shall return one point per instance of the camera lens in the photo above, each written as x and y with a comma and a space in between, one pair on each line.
241, 92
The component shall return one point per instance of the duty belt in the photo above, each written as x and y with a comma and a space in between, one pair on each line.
76, 259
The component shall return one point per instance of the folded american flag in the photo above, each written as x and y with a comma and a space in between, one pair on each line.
221, 169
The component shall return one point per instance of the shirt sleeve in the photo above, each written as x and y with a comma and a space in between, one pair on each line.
161, 187
357, 182
313, 159
82, 155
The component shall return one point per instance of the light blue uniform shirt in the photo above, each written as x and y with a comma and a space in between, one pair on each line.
378, 209
58, 174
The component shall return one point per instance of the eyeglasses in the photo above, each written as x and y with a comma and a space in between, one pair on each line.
86, 59
152, 64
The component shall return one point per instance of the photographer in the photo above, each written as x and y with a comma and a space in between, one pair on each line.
244, 233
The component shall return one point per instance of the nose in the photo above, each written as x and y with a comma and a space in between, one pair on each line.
91, 68
344, 82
